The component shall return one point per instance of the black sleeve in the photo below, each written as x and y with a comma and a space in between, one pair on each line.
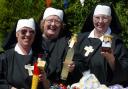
3, 82
121, 62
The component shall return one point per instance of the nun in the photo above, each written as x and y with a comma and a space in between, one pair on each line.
110, 67
55, 39
18, 59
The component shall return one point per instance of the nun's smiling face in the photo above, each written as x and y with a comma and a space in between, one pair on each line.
51, 27
101, 22
25, 37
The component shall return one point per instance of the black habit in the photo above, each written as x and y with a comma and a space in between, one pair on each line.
55, 52
97, 64
14, 72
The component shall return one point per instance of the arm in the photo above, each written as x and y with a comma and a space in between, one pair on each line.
121, 62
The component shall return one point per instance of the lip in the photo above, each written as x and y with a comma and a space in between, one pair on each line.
52, 30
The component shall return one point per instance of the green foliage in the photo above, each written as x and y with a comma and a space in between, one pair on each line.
122, 11
12, 10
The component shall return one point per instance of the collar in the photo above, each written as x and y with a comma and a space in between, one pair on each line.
18, 50
91, 35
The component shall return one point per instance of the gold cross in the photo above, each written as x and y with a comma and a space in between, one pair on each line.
88, 49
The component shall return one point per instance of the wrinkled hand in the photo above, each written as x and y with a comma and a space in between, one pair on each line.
44, 80
42, 75
109, 56
71, 66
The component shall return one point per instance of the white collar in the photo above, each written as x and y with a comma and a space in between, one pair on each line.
91, 35
18, 50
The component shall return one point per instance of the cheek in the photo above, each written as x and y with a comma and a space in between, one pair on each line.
45, 27
94, 22
107, 24
59, 30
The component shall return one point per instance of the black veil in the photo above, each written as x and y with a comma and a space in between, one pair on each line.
11, 39
114, 25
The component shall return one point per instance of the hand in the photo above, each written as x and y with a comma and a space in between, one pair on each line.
42, 75
109, 56
71, 66
44, 80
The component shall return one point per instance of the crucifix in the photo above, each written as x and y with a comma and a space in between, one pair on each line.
30, 69
88, 49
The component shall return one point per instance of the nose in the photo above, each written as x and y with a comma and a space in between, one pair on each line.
27, 33
53, 23
100, 19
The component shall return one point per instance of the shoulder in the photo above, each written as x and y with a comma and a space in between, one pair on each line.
117, 38
6, 54
82, 36
85, 34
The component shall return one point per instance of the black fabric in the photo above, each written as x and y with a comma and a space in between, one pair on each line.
54, 53
97, 63
56, 50
115, 23
14, 70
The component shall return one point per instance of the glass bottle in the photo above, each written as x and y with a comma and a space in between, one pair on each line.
68, 58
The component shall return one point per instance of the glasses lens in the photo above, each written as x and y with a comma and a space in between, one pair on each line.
50, 21
24, 31
104, 19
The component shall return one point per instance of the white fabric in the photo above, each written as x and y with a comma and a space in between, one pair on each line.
102, 9
91, 35
18, 50
52, 11
25, 23
88, 81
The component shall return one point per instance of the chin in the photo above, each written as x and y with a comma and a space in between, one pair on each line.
100, 29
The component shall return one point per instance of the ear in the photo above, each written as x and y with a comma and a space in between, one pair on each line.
17, 34
42, 25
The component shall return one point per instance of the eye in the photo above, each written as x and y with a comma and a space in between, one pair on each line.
32, 32
23, 32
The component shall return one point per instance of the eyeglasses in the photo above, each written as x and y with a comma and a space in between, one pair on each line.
25, 31
50, 21
105, 19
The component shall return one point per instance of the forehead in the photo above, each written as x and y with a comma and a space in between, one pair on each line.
27, 28
101, 15
53, 17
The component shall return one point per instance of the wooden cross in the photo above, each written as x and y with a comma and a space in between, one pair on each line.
30, 69
88, 49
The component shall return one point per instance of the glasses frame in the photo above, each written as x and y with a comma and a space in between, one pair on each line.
50, 21
104, 19
24, 31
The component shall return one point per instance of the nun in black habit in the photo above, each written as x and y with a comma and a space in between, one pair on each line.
21, 49
109, 67
55, 38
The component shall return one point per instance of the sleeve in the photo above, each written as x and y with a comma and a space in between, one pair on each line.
121, 63
80, 63
3, 81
